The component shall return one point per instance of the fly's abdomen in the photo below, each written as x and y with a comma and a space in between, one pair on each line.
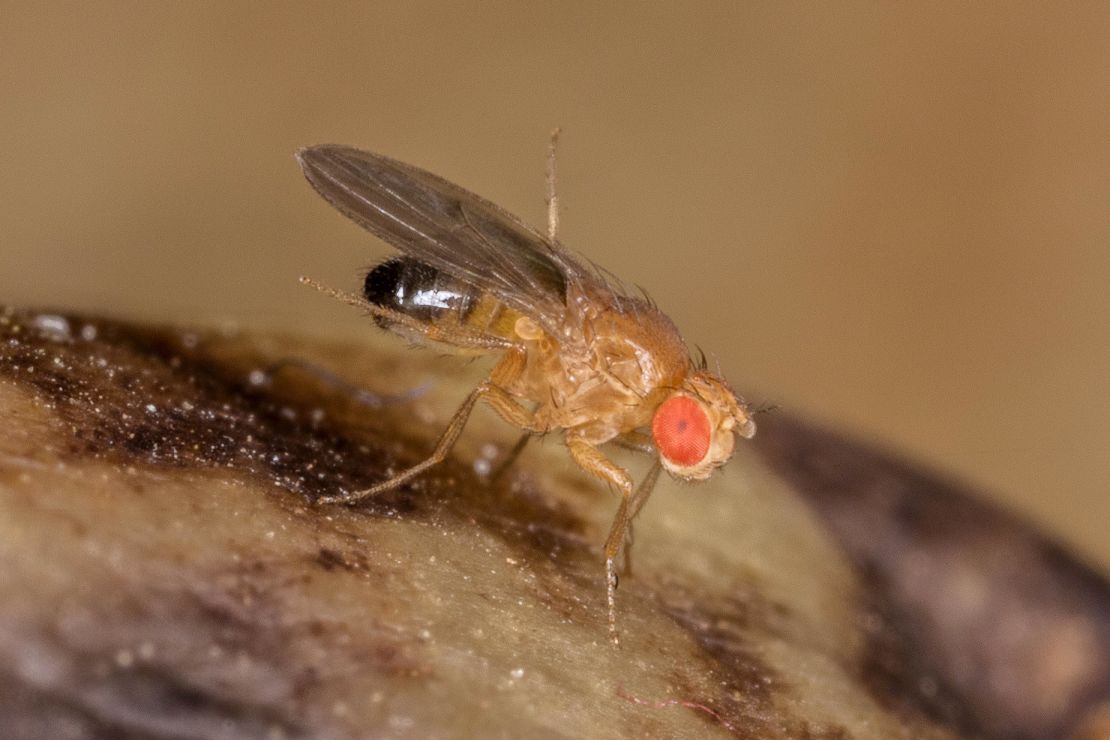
434, 298
418, 290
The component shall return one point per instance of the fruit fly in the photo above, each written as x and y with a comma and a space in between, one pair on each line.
577, 352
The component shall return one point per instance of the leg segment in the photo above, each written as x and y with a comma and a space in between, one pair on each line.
497, 397
592, 460
637, 442
511, 456
643, 491
642, 443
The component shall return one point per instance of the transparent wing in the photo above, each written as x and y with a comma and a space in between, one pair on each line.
445, 226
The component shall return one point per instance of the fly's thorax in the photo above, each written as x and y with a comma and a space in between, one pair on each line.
638, 347
434, 298
611, 372
695, 428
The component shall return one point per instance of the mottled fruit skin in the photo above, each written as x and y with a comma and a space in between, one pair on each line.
140, 494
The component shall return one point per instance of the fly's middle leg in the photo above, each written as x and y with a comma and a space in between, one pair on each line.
510, 457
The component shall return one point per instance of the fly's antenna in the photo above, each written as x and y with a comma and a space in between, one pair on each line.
552, 196
764, 407
339, 295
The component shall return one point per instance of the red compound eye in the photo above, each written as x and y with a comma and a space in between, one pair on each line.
681, 430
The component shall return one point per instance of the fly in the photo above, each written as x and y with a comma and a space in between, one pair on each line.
577, 352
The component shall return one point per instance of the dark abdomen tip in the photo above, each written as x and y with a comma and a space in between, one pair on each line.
418, 290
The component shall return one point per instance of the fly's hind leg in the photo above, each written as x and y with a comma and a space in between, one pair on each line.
497, 397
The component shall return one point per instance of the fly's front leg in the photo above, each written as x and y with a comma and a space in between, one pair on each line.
592, 460
497, 397
643, 491
645, 445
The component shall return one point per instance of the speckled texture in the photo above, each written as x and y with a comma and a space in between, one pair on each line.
164, 572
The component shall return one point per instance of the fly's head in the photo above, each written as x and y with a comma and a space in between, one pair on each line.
695, 428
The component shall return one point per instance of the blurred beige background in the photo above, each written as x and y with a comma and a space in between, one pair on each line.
894, 218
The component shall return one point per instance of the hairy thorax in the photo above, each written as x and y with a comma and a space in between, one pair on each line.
608, 383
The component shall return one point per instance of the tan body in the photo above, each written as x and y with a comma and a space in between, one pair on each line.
577, 353
600, 380
605, 378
